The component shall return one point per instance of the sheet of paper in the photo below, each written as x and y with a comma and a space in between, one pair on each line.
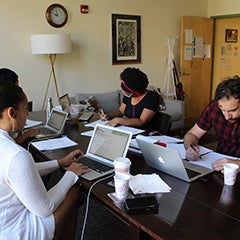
133, 130
208, 159
144, 183
31, 123
52, 144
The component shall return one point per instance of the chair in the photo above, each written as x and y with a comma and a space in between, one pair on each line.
30, 106
161, 123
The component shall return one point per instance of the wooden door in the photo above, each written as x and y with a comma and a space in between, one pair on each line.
226, 49
196, 63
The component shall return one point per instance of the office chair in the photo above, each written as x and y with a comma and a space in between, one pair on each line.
30, 106
161, 123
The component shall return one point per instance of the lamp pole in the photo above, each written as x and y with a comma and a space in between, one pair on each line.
52, 59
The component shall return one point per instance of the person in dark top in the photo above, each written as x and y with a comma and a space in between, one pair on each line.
139, 105
8, 76
223, 114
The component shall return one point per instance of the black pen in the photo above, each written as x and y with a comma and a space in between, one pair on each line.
195, 150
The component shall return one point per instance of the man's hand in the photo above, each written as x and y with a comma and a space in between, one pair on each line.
218, 165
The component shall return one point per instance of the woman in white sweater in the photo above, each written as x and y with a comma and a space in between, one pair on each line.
27, 210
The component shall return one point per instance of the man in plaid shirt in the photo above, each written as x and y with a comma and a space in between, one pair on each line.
223, 114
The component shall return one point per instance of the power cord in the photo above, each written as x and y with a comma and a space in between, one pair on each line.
87, 203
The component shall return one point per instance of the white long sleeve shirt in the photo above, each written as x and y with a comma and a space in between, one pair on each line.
26, 208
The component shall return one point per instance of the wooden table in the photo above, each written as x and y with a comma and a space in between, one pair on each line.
204, 209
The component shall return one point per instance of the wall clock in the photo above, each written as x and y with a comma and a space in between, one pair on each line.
56, 15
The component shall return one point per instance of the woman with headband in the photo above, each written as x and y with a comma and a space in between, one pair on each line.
139, 105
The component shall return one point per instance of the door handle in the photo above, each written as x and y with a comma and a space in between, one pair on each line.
183, 72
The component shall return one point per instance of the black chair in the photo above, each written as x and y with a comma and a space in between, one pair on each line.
161, 123
30, 106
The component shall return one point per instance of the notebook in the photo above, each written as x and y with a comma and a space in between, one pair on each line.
54, 124
168, 160
107, 143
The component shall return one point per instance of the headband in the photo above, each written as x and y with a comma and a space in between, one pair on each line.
129, 89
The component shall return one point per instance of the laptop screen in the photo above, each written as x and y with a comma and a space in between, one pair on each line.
56, 119
109, 143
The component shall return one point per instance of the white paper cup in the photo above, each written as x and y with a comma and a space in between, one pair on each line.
122, 165
227, 195
121, 181
230, 173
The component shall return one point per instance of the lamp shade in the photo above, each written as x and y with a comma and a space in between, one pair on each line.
51, 43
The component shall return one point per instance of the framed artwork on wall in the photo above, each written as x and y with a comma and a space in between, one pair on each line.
126, 39
231, 35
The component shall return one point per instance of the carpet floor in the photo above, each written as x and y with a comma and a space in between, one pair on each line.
101, 224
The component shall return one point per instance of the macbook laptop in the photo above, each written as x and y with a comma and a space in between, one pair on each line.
54, 124
106, 144
169, 161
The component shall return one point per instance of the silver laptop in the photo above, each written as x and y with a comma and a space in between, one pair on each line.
106, 144
169, 161
54, 125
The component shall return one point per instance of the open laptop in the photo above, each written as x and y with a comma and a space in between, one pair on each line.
169, 161
106, 144
54, 124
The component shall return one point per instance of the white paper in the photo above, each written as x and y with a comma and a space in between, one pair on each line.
133, 130
31, 123
198, 47
52, 144
207, 51
188, 52
208, 159
188, 36
143, 183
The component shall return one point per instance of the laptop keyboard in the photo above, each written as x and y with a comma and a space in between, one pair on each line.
46, 131
192, 173
98, 167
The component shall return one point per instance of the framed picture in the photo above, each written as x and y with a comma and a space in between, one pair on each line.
126, 39
65, 102
231, 35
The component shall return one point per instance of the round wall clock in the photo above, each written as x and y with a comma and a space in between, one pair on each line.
56, 15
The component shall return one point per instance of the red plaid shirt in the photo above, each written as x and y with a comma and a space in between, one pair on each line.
228, 133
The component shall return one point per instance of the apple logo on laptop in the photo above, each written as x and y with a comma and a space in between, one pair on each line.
160, 159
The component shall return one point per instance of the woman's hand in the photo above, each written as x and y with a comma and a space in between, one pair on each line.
73, 156
29, 133
103, 116
114, 122
78, 168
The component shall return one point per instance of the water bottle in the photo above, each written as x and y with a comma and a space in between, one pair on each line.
49, 107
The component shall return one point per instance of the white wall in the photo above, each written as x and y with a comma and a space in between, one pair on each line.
223, 7
88, 68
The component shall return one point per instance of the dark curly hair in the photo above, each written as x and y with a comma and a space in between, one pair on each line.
133, 80
10, 96
228, 88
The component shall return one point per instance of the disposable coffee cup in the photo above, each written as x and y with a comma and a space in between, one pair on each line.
121, 182
227, 195
122, 165
230, 173
74, 113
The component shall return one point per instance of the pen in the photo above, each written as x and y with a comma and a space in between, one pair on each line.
195, 150
102, 112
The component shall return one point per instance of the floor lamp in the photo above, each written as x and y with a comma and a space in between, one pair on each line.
51, 44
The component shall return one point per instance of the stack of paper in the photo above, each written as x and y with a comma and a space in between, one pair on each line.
143, 183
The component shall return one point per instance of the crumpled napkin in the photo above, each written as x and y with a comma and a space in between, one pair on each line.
145, 183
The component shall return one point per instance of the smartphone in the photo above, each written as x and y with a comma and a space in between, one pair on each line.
141, 204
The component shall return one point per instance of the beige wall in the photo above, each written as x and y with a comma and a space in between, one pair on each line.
88, 68
223, 7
